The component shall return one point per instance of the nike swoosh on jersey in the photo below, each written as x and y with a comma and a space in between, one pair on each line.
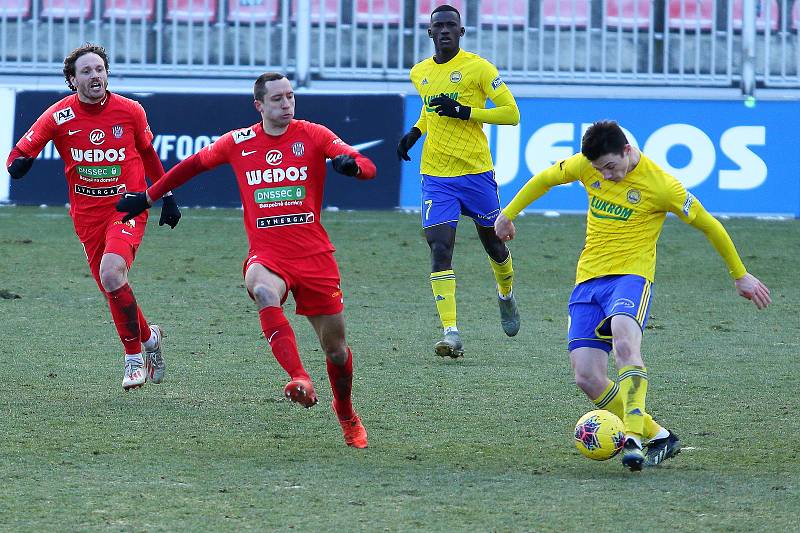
246, 153
127, 233
70, 132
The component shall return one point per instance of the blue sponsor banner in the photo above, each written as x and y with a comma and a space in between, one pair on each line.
185, 123
736, 159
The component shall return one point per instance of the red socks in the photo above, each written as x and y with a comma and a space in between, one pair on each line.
144, 327
126, 313
341, 378
281, 339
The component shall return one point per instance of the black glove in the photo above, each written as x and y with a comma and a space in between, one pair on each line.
134, 204
407, 142
170, 214
345, 164
447, 107
20, 166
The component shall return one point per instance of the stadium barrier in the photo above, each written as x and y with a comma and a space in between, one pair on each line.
640, 42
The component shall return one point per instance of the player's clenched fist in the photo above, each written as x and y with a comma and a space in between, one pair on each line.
504, 228
345, 164
407, 142
170, 214
134, 204
447, 107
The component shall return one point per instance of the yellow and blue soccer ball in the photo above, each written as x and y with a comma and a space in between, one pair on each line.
599, 435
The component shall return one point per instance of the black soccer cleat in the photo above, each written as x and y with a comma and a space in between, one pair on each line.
659, 450
632, 456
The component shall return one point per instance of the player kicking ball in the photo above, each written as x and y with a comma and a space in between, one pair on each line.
280, 165
629, 197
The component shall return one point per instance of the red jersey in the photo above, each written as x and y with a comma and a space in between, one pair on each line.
281, 181
100, 145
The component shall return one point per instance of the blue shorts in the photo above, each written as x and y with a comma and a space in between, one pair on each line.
595, 301
473, 195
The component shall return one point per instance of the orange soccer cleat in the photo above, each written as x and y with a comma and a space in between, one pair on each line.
355, 434
301, 391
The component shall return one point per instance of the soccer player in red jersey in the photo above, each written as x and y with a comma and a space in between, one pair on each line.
279, 164
106, 145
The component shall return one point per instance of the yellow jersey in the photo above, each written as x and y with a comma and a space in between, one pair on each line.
624, 219
455, 147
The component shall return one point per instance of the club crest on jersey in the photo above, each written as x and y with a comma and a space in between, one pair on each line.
117, 131
274, 157
298, 149
455, 76
97, 137
243, 134
63, 115
634, 196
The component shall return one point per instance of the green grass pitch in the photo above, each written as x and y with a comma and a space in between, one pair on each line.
478, 444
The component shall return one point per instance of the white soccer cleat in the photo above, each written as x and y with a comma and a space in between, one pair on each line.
135, 375
153, 359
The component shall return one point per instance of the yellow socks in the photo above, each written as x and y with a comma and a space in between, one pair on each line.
633, 389
504, 274
443, 285
611, 400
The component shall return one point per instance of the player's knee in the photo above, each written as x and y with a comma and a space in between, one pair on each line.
587, 382
441, 255
624, 348
112, 277
337, 354
265, 296
497, 250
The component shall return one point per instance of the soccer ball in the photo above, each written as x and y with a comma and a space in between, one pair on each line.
599, 435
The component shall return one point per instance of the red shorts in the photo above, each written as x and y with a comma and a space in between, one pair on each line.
110, 236
313, 280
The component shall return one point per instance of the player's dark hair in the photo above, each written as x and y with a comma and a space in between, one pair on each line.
602, 138
445, 7
69, 61
260, 86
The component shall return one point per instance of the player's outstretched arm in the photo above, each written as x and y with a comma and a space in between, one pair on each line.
170, 213
747, 285
504, 228
354, 165
133, 204
750, 287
